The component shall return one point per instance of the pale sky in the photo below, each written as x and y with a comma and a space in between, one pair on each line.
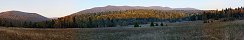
60, 8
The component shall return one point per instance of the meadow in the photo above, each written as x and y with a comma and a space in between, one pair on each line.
192, 30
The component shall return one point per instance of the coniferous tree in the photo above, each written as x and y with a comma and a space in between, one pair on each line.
152, 24
136, 25
162, 24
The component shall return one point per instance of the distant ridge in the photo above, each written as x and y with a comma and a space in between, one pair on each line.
22, 16
185, 9
118, 8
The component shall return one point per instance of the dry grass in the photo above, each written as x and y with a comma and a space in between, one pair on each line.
232, 30
145, 33
195, 30
36, 34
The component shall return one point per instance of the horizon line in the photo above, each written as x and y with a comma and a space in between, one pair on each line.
117, 6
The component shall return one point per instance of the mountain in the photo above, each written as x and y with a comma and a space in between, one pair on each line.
185, 9
22, 16
110, 16
119, 8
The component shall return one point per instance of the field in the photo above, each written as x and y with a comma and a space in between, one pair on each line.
36, 34
194, 30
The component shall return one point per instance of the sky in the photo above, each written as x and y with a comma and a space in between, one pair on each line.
60, 8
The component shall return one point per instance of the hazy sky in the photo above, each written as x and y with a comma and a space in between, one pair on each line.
60, 8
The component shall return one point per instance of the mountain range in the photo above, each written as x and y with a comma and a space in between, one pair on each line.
34, 17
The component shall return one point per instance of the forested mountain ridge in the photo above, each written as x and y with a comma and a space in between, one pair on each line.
122, 8
19, 19
141, 16
117, 18
137, 13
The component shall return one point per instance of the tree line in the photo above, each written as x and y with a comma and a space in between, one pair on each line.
227, 14
114, 18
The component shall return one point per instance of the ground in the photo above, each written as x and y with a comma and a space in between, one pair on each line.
192, 30
36, 34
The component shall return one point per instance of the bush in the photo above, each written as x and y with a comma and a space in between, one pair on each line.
156, 24
136, 25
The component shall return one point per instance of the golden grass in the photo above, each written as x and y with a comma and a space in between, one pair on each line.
231, 30
36, 34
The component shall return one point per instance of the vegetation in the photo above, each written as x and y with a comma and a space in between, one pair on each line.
156, 24
162, 24
112, 18
212, 25
127, 17
36, 34
223, 15
136, 25
152, 24
196, 30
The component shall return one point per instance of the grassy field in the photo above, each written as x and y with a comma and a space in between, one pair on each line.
195, 30
36, 34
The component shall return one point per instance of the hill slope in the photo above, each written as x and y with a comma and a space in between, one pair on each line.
24, 16
20, 19
114, 18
